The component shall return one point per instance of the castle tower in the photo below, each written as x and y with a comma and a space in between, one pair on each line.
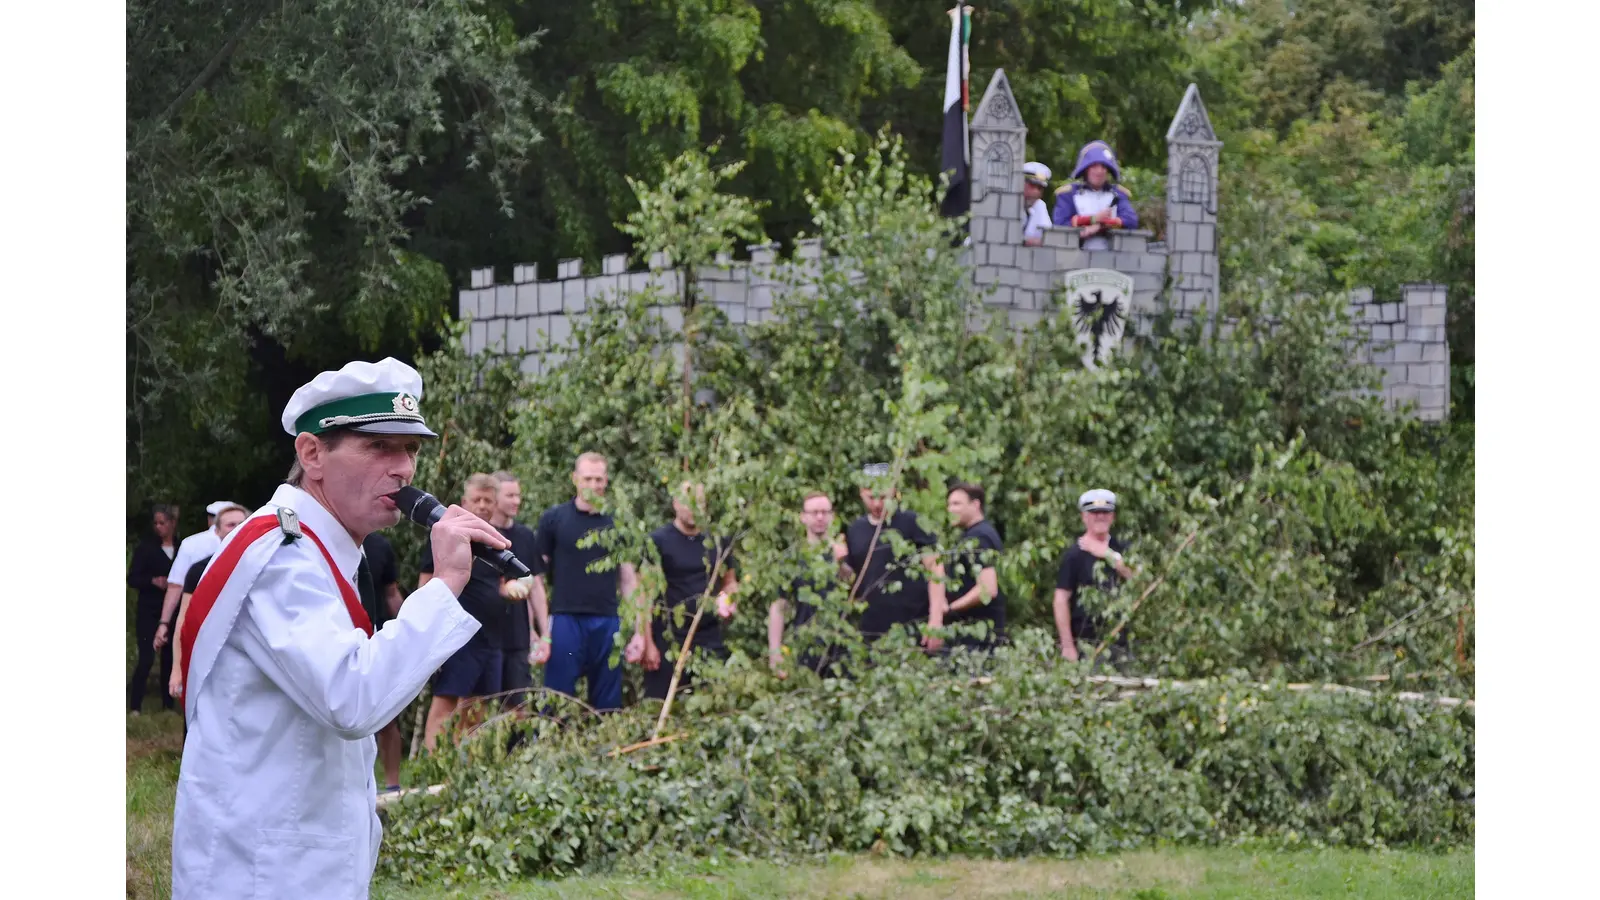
1192, 151
999, 142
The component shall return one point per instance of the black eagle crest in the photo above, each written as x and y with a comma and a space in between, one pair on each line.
1097, 320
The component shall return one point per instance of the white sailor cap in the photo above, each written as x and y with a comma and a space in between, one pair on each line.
376, 398
1098, 500
216, 509
1036, 172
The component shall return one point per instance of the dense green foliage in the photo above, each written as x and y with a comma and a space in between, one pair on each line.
309, 184
1350, 151
913, 757
1254, 871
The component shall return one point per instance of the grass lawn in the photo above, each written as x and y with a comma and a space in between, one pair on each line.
154, 741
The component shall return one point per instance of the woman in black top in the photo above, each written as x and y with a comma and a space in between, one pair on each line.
147, 574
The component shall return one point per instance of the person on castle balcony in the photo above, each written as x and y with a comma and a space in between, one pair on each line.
1095, 203
1035, 216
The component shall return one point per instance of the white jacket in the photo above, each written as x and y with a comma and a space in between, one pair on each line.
276, 797
1035, 219
1087, 202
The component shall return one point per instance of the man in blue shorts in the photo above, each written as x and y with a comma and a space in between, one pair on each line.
524, 618
477, 668
583, 603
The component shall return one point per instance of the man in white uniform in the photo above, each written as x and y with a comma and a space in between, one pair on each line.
1035, 217
195, 547
285, 682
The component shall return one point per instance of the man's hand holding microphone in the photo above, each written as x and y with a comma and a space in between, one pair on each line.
453, 536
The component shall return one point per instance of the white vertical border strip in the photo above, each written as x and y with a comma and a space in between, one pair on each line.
63, 370
1537, 320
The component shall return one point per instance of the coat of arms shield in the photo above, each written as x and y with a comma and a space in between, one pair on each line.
1100, 302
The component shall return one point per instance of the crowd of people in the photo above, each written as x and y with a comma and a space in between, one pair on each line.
567, 616
289, 641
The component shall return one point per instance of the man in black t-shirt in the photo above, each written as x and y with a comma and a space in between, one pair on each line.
688, 558
385, 568
191, 581
583, 604
1092, 561
523, 618
895, 590
816, 517
476, 669
975, 584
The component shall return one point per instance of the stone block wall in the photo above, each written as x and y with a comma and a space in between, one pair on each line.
1402, 338
1404, 342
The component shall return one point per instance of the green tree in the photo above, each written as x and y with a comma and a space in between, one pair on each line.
1350, 157
267, 228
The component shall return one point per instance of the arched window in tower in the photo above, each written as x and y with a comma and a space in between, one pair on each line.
999, 170
1194, 182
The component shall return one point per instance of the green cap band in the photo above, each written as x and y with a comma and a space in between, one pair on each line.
361, 410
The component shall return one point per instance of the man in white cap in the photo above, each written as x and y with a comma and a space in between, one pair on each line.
1094, 560
195, 547
285, 681
1035, 215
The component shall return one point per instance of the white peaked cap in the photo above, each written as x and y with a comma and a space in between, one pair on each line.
377, 398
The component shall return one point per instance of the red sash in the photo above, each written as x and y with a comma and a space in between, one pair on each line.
221, 569
352, 600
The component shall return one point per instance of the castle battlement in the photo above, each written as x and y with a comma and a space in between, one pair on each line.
533, 320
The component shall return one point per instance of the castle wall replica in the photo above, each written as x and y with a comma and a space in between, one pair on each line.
1403, 337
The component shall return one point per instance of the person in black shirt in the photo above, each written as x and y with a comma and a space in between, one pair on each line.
381, 607
895, 590
476, 669
385, 568
523, 616
816, 517
147, 575
975, 584
191, 581
688, 559
1092, 561
583, 604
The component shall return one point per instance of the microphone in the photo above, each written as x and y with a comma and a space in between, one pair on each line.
425, 509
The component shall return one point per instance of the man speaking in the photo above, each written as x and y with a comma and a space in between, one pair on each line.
285, 681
